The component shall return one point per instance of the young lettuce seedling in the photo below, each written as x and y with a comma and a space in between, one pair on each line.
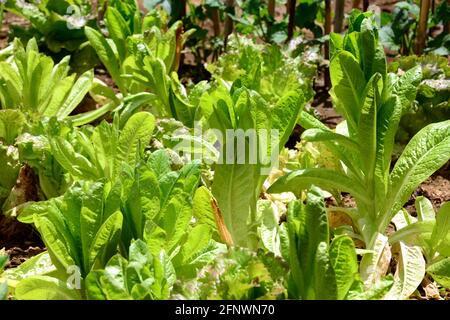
320, 270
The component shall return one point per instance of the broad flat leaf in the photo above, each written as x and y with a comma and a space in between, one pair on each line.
40, 264
324, 178
414, 233
284, 114
57, 99
442, 227
388, 119
59, 252
424, 208
105, 243
197, 239
134, 137
231, 189
324, 277
345, 265
405, 87
11, 125
91, 218
377, 292
308, 121
203, 211
409, 274
440, 271
372, 56
427, 151
118, 30
374, 265
367, 129
348, 84
308, 236
45, 288
317, 134
269, 230
80, 88
175, 218
106, 55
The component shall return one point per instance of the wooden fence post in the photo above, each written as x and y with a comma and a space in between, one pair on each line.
365, 5
339, 15
421, 35
327, 43
271, 8
291, 24
228, 27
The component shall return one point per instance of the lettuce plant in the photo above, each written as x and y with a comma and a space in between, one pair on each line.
371, 102
237, 274
432, 102
247, 112
267, 69
129, 44
81, 232
142, 58
32, 83
103, 152
320, 270
142, 277
59, 23
99, 219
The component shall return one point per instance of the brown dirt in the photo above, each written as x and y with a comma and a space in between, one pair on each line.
17, 255
9, 19
436, 188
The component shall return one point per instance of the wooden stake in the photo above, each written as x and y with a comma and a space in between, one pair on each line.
228, 28
447, 25
327, 28
183, 9
271, 8
421, 35
339, 15
365, 5
216, 21
291, 24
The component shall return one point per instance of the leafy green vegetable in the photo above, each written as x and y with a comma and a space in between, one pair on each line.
248, 115
237, 274
34, 85
59, 23
143, 276
432, 102
429, 231
318, 270
268, 69
440, 272
358, 66
80, 232
106, 150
